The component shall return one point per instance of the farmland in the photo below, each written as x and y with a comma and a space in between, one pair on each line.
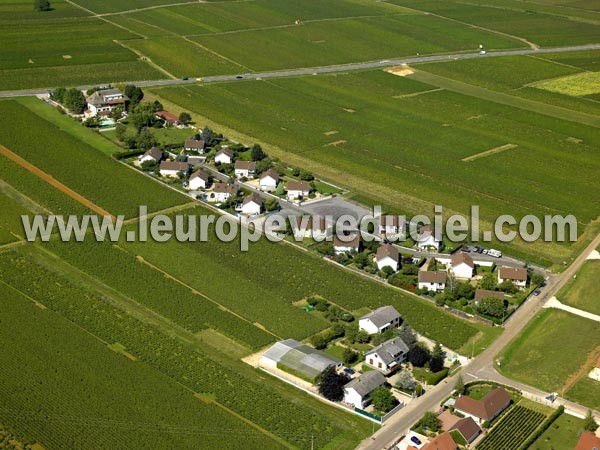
578, 85
583, 292
563, 433
10, 221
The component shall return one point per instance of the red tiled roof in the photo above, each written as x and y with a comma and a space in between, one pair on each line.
488, 407
588, 441
513, 273
442, 442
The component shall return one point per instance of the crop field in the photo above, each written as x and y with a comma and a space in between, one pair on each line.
514, 428
80, 166
10, 220
554, 335
578, 85
583, 292
409, 157
21, 9
270, 408
563, 433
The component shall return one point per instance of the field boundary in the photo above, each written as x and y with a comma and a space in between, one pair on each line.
490, 152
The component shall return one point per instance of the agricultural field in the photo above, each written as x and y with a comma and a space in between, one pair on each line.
21, 9
412, 155
10, 220
580, 85
583, 292
555, 335
563, 433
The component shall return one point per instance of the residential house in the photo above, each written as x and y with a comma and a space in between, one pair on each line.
432, 281
588, 441
103, 101
194, 145
487, 408
468, 429
222, 192
244, 168
315, 227
380, 320
462, 265
199, 180
346, 244
518, 275
358, 391
174, 168
388, 356
427, 238
392, 227
387, 256
297, 190
224, 156
155, 155
252, 205
484, 293
269, 180
442, 441
168, 117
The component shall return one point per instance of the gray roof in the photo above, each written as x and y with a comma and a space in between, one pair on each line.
155, 153
300, 357
200, 174
366, 383
390, 350
382, 316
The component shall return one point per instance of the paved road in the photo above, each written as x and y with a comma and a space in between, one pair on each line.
482, 367
327, 69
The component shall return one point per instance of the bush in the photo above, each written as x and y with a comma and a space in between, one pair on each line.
436, 377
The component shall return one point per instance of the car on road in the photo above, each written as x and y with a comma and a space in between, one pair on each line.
185, 78
537, 292
485, 251
239, 77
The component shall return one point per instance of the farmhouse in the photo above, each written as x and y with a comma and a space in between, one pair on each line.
174, 169
349, 244
442, 441
297, 189
358, 391
387, 356
380, 320
224, 156
315, 227
517, 275
484, 293
387, 256
244, 168
155, 155
252, 205
487, 408
221, 192
194, 145
103, 101
199, 180
269, 180
462, 266
588, 441
428, 239
432, 281
392, 226
296, 357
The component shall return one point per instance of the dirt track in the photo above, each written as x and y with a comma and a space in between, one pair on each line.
53, 182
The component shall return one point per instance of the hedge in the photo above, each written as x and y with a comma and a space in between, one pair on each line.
436, 377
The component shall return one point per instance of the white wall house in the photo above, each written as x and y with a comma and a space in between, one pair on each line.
392, 227
174, 168
432, 281
349, 244
244, 169
268, 180
194, 145
427, 238
312, 227
252, 205
154, 154
199, 180
462, 266
222, 192
103, 101
387, 256
388, 356
486, 409
357, 392
517, 275
224, 156
297, 189
380, 320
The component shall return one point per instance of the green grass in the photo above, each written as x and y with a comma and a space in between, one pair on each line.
562, 434
164, 136
586, 392
10, 220
22, 9
575, 85
583, 292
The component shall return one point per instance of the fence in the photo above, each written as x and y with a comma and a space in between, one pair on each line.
393, 411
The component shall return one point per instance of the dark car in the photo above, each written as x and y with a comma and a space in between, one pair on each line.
537, 292
348, 370
185, 78
416, 440
239, 77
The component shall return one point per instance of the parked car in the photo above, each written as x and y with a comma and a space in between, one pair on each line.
485, 252
348, 370
415, 440
537, 292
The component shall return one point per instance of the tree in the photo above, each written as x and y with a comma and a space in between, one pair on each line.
74, 101
158, 106
319, 341
305, 175
383, 400
58, 94
406, 381
331, 384
272, 204
492, 306
143, 116
120, 131
361, 260
41, 5
465, 290
438, 351
438, 355
349, 356
362, 337
418, 356
117, 112
185, 118
430, 421
257, 153
536, 279
508, 287
210, 137
489, 282
589, 424
407, 335
135, 95
459, 387
145, 140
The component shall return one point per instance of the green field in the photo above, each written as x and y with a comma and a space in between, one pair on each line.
578, 85
563, 433
583, 292
10, 220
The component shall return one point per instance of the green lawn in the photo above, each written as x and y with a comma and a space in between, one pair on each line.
586, 392
583, 292
562, 434
164, 136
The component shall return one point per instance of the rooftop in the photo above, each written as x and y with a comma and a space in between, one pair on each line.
513, 273
382, 316
366, 383
432, 277
390, 350
300, 357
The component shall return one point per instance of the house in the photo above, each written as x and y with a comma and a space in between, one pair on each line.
155, 155
468, 429
103, 101
269, 180
484, 293
588, 441
442, 441
174, 168
380, 320
346, 244
296, 357
518, 275
244, 168
252, 205
221, 192
432, 281
595, 372
387, 356
224, 156
196, 161
297, 190
487, 408
358, 391
387, 256
316, 227
199, 180
194, 145
168, 117
462, 265
392, 227
427, 238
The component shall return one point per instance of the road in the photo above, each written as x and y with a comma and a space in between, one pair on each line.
482, 367
322, 70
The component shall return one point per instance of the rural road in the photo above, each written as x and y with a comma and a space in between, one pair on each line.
323, 70
481, 367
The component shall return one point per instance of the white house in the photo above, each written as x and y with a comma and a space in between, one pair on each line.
194, 145
155, 155
380, 320
316, 227
346, 244
392, 227
224, 156
252, 205
357, 392
244, 168
199, 180
387, 256
103, 101
221, 192
427, 238
297, 190
269, 180
174, 168
486, 409
518, 275
387, 356
462, 266
432, 281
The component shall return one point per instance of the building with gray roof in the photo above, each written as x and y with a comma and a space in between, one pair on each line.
380, 320
387, 356
358, 391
